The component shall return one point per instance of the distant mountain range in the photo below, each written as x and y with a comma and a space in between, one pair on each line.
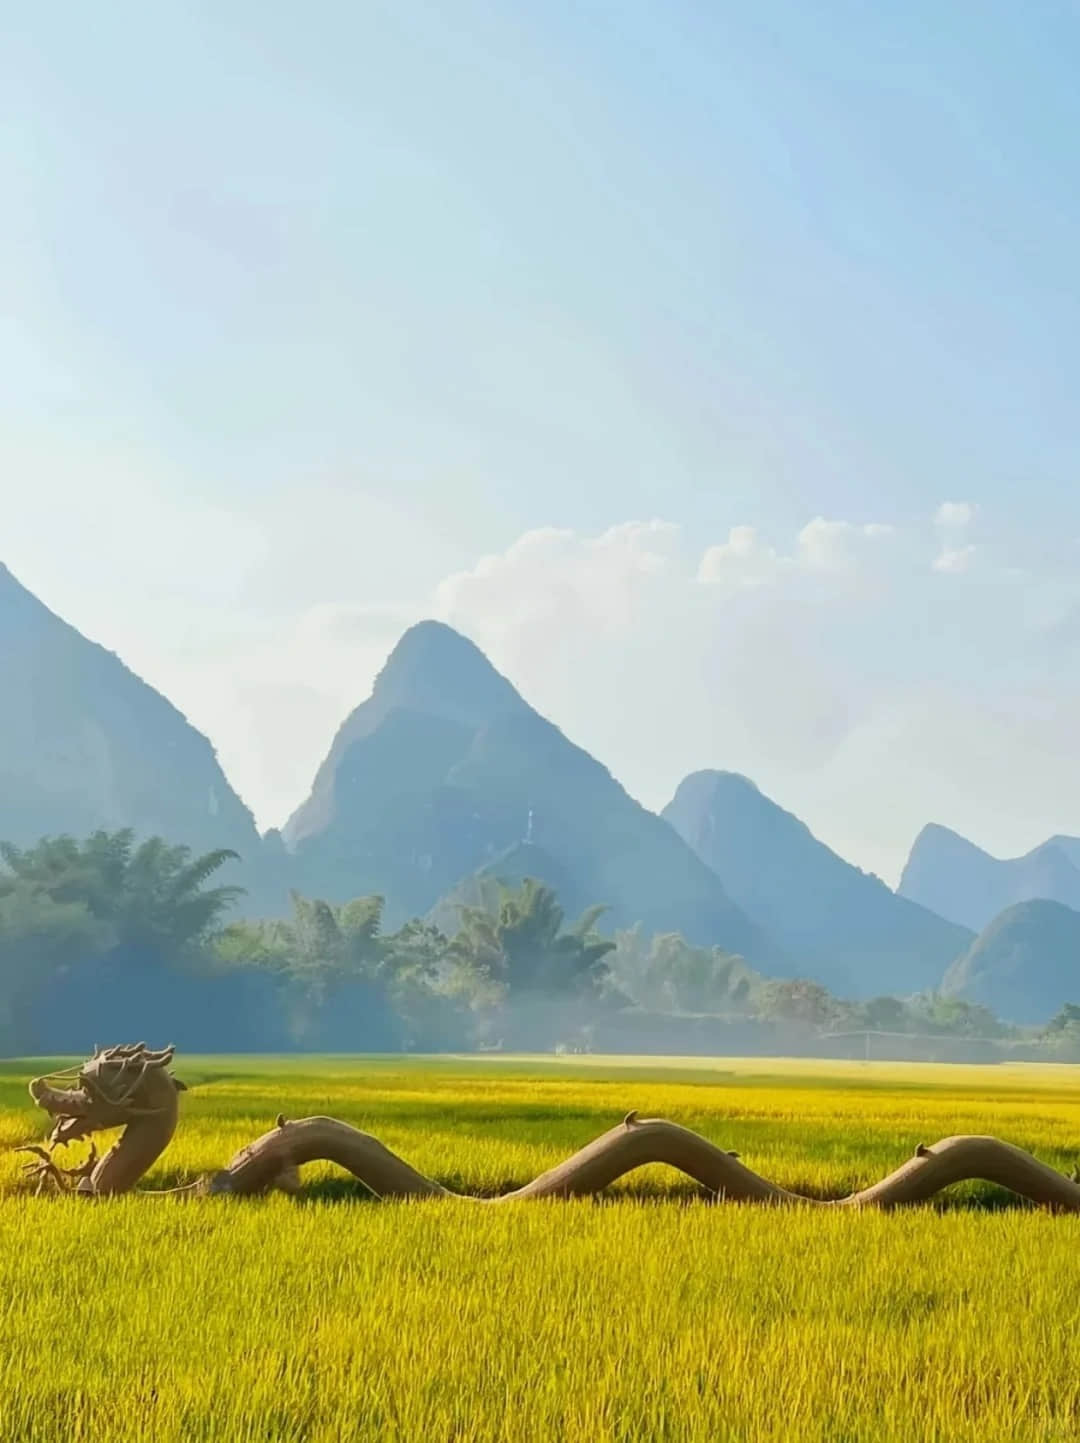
958, 880
445, 781
845, 927
445, 769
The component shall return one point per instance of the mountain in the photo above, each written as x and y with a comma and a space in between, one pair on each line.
950, 875
511, 867
1024, 965
85, 744
435, 690
1070, 846
846, 927
445, 767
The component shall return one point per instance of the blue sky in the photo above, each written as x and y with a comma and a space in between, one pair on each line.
314, 311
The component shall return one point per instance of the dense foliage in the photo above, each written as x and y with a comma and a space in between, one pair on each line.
107, 935
96, 933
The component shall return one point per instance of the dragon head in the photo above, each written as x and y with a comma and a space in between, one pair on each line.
115, 1087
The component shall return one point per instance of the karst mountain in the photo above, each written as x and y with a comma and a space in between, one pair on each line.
846, 926
445, 769
960, 881
86, 745
1024, 964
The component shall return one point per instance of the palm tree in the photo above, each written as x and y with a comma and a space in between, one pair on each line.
328, 962
519, 942
104, 930
151, 896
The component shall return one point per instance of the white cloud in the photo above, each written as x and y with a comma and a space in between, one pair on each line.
742, 560
955, 515
952, 520
954, 560
837, 547
550, 577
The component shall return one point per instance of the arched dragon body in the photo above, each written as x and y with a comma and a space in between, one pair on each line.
130, 1087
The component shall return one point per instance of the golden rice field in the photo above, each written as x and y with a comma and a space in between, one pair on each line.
652, 1315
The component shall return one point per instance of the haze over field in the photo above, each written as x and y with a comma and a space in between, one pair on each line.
713, 368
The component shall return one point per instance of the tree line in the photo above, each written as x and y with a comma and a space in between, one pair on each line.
107, 937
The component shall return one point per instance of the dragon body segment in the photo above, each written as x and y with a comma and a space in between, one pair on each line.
130, 1087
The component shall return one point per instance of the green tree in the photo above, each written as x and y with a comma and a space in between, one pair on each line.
40, 940
1061, 1036
152, 897
521, 946
327, 961
883, 1014
1068, 1017
954, 1017
89, 927
436, 999
800, 1001
669, 974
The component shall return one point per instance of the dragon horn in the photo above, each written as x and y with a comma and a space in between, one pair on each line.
159, 1059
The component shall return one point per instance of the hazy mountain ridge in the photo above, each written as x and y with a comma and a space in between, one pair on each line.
86, 744
445, 779
844, 926
1024, 964
955, 878
432, 672
425, 786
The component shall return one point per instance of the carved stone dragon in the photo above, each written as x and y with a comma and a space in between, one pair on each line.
130, 1087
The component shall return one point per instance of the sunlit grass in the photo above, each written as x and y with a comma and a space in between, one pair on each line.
336, 1317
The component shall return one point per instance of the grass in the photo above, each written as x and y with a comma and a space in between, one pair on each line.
338, 1318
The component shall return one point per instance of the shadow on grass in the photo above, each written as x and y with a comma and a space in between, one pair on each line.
346, 1190
341, 1190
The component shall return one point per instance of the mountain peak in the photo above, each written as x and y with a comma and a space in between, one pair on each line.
445, 778
969, 885
435, 669
709, 800
936, 834
854, 932
86, 744
710, 781
436, 677
428, 638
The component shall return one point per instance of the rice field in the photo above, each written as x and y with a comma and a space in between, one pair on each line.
647, 1315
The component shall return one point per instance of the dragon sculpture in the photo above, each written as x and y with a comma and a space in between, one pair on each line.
131, 1087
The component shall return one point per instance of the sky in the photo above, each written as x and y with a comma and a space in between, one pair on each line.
712, 365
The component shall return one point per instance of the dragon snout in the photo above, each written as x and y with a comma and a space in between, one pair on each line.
66, 1102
